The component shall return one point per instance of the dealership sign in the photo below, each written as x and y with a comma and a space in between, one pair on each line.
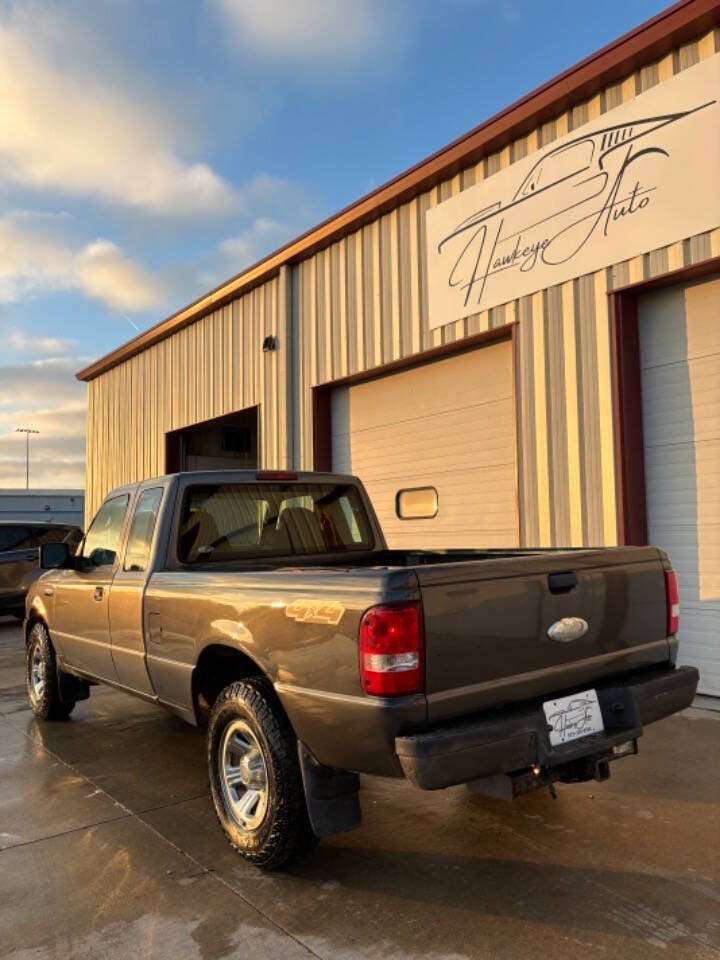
642, 176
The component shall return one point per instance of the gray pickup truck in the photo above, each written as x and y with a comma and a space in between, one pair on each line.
267, 607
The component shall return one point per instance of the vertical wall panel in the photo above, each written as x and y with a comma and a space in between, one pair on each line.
183, 380
556, 415
527, 447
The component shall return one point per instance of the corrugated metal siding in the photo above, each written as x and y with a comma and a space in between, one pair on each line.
563, 364
362, 303
213, 367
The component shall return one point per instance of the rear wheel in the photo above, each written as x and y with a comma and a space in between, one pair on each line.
41, 677
255, 778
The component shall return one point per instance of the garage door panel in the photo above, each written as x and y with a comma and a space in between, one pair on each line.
449, 424
666, 392
438, 461
672, 336
421, 437
407, 393
455, 491
668, 340
490, 420
680, 360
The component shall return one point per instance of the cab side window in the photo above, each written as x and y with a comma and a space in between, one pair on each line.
15, 538
142, 529
103, 538
69, 535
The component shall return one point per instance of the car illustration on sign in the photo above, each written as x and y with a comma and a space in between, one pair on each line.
576, 715
591, 185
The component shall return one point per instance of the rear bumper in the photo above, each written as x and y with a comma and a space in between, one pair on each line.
515, 739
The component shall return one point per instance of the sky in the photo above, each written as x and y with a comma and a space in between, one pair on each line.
151, 149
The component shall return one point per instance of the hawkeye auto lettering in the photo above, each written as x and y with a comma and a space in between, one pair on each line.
643, 175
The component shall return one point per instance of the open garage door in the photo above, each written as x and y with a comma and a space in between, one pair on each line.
449, 424
680, 361
225, 443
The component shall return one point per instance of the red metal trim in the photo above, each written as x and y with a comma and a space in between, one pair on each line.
683, 275
172, 451
627, 408
427, 356
322, 430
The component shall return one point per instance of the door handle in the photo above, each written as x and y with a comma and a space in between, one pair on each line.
562, 582
49, 592
99, 593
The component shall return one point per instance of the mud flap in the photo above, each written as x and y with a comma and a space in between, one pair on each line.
331, 796
70, 688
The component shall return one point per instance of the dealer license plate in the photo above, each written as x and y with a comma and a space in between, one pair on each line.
570, 718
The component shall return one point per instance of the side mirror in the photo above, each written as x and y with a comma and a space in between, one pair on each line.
54, 555
418, 503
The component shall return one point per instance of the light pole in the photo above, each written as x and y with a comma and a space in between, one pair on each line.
27, 431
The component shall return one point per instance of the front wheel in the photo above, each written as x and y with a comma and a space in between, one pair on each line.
255, 778
41, 678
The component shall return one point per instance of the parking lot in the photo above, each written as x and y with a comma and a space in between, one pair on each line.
109, 848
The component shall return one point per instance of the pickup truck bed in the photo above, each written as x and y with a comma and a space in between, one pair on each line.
506, 670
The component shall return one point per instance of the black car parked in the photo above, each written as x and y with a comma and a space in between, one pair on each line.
19, 558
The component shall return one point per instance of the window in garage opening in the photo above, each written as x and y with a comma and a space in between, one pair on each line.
225, 443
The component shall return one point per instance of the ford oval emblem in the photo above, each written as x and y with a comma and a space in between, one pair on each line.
567, 629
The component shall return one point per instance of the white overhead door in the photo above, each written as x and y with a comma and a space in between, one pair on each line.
680, 360
448, 424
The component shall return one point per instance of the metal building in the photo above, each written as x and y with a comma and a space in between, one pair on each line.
529, 320
53, 506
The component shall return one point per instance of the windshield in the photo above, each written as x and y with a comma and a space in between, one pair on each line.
239, 521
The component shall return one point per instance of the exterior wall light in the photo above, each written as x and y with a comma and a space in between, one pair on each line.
269, 343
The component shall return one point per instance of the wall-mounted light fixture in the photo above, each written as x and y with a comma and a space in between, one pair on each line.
270, 343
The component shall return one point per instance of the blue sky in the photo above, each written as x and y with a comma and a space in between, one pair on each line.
150, 150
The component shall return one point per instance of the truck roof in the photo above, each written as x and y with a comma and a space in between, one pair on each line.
239, 476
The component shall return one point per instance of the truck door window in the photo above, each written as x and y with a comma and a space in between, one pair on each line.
142, 529
103, 537
15, 538
57, 534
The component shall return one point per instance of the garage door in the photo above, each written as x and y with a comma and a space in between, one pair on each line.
680, 360
448, 424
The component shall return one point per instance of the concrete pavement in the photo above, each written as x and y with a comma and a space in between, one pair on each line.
109, 848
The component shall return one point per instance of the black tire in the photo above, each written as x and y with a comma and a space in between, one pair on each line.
41, 678
276, 830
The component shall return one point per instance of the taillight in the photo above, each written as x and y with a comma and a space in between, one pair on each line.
673, 602
391, 650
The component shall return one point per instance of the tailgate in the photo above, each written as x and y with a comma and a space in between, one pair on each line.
486, 624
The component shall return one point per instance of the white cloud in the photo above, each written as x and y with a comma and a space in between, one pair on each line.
274, 211
313, 31
40, 383
20, 342
51, 465
60, 428
44, 395
72, 129
104, 273
33, 262
254, 241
